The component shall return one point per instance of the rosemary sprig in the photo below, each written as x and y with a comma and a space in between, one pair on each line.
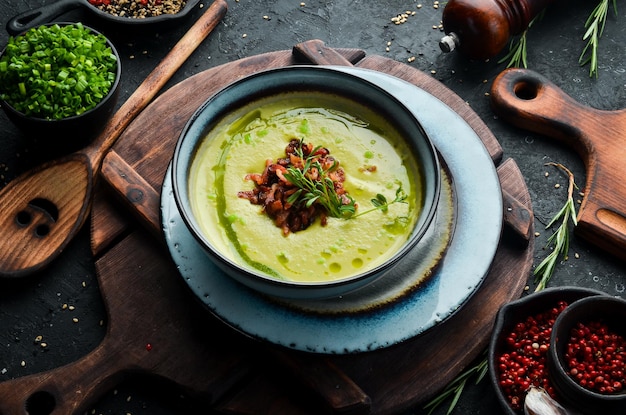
560, 238
516, 56
595, 26
544, 272
456, 387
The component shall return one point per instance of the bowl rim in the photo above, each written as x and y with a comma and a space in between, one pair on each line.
179, 186
110, 94
575, 309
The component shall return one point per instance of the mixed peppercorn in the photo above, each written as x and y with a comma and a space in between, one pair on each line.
596, 357
523, 362
139, 8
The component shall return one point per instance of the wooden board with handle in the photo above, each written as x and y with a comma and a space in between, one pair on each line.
530, 101
147, 302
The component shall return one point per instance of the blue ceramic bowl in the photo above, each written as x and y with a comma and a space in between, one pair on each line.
307, 80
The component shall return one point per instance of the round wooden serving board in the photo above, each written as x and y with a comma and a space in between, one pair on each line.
148, 304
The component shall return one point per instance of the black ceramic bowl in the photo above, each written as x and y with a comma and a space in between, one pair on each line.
70, 131
610, 311
517, 311
339, 89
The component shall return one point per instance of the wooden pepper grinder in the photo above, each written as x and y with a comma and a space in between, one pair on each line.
480, 29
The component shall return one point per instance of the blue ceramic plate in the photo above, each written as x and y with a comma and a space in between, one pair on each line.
424, 289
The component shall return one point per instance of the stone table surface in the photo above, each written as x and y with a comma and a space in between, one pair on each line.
33, 306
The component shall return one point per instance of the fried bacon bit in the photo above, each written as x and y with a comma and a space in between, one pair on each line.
272, 189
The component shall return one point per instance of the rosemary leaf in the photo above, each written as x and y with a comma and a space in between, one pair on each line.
595, 26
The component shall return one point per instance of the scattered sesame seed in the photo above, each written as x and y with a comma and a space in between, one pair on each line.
487, 94
557, 186
71, 308
546, 174
75, 320
64, 306
302, 4
576, 255
411, 59
22, 363
43, 345
38, 338
433, 71
266, 17
537, 234
244, 36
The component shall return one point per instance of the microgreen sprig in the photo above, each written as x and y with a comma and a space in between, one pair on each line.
320, 190
380, 201
595, 26
560, 238
456, 387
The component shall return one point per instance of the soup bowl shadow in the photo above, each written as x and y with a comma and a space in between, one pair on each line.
306, 80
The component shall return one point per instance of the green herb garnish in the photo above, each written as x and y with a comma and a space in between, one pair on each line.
380, 201
320, 189
55, 71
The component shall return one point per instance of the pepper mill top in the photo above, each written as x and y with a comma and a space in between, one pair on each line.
480, 29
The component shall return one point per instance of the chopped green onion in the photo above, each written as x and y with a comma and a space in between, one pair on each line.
55, 71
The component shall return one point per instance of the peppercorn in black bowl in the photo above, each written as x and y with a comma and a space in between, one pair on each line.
59, 80
520, 344
587, 356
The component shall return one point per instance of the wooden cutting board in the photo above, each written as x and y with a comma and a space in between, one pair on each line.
155, 327
529, 100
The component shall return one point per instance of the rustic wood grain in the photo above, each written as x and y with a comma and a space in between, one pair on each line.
530, 101
42, 210
148, 303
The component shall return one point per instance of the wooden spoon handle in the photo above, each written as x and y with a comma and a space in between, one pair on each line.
155, 81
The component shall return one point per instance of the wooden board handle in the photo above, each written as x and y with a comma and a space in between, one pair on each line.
65, 390
530, 101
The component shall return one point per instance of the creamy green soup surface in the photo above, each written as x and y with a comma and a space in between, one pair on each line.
375, 161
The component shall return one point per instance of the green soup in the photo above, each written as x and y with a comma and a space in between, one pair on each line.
375, 161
